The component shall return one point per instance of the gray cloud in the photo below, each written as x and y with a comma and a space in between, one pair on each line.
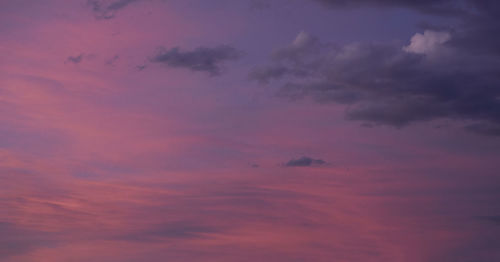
106, 9
448, 71
203, 59
429, 78
75, 59
304, 161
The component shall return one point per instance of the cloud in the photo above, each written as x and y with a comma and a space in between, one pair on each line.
303, 45
112, 60
75, 59
204, 59
427, 42
478, 19
430, 78
304, 161
106, 9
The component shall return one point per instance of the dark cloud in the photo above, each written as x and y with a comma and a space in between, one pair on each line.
449, 71
75, 59
204, 59
106, 9
437, 75
304, 161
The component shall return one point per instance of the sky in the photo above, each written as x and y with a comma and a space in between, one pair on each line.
249, 130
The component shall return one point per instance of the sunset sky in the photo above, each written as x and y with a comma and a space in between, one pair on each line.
249, 131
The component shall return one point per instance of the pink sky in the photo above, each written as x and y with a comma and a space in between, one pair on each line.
107, 155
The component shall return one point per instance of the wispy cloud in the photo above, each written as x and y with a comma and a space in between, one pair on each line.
304, 161
75, 59
107, 10
204, 59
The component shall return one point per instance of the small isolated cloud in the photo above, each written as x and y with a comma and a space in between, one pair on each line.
75, 59
112, 60
304, 161
204, 59
427, 42
106, 9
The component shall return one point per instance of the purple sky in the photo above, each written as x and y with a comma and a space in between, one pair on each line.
249, 130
